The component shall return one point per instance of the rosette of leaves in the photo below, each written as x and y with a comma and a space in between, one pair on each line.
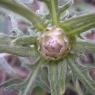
57, 45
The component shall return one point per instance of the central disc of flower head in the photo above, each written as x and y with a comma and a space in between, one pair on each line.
53, 44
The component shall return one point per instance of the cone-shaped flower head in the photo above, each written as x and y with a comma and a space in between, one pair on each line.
53, 44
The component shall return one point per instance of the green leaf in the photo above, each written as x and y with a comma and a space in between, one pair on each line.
23, 11
31, 79
83, 46
10, 83
65, 6
42, 80
57, 77
79, 18
25, 40
77, 25
20, 51
83, 78
42, 77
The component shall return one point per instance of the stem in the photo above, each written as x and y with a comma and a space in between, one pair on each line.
54, 14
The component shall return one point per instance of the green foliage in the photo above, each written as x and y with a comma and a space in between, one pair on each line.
25, 12
53, 78
77, 25
83, 78
57, 77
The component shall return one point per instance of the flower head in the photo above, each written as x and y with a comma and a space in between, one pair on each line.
53, 43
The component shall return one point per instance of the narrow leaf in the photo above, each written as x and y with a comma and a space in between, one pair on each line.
25, 40
79, 24
65, 6
21, 51
31, 79
57, 77
83, 78
23, 11
10, 82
